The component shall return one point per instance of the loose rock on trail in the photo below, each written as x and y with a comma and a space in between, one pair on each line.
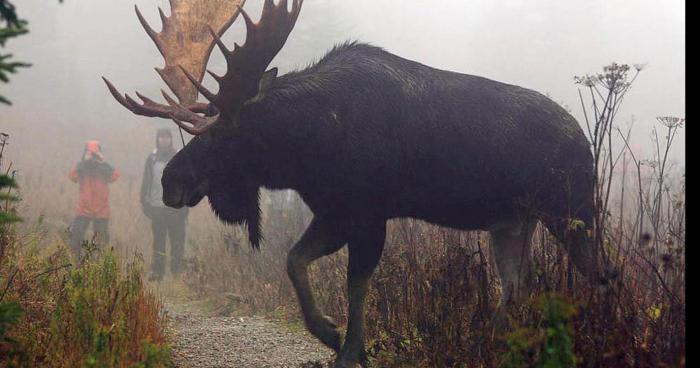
245, 342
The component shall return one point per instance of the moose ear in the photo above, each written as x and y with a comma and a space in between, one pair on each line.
267, 79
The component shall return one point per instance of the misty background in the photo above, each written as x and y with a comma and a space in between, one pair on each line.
60, 102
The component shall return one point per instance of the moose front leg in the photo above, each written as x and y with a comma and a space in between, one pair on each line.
365, 249
320, 239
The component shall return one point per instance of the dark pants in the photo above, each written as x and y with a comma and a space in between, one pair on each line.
79, 227
167, 223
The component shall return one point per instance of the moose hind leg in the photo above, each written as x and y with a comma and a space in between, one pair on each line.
578, 244
365, 250
510, 243
319, 240
581, 250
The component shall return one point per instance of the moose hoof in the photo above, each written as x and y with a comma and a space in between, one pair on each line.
325, 329
352, 356
332, 340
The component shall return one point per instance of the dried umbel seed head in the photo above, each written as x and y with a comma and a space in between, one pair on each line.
670, 121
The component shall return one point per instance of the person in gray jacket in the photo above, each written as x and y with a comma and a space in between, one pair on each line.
166, 222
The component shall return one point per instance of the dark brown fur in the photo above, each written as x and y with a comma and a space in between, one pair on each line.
365, 136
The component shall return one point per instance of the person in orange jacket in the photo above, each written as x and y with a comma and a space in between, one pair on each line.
93, 176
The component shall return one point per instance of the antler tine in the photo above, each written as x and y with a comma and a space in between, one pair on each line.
269, 4
249, 26
130, 103
216, 77
199, 124
283, 5
163, 17
219, 43
139, 108
149, 30
196, 108
117, 95
246, 64
195, 128
145, 99
200, 87
161, 72
171, 101
296, 8
148, 108
174, 110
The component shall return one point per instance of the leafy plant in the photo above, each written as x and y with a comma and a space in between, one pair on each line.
549, 344
7, 213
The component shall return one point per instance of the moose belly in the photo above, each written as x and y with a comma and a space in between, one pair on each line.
459, 213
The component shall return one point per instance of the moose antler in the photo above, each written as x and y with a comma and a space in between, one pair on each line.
185, 40
245, 64
175, 111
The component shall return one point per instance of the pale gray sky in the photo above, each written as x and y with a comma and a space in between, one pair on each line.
538, 44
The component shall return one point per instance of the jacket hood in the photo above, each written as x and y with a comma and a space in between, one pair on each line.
93, 146
164, 153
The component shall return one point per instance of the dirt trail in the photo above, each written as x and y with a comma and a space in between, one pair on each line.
246, 342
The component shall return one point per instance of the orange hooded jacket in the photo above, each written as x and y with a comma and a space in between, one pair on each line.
93, 177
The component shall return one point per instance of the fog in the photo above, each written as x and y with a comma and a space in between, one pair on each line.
61, 101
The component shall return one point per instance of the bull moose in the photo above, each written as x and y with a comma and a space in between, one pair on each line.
363, 136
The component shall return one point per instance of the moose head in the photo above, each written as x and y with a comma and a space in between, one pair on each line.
186, 42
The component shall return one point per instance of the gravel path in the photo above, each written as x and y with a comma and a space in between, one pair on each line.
245, 342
